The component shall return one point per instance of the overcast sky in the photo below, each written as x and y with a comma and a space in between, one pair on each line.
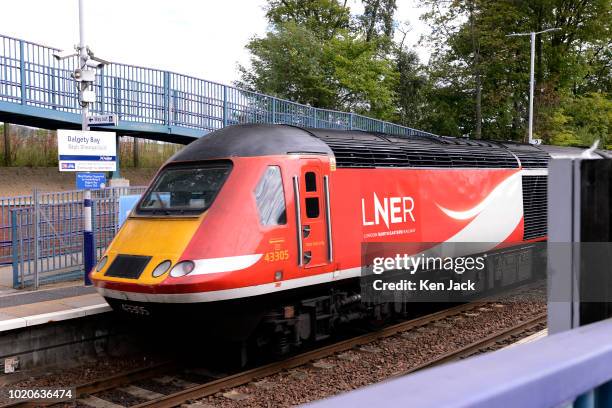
202, 38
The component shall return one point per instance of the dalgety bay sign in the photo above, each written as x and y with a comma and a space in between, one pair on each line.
86, 150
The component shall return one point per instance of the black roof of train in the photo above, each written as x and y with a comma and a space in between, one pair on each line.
354, 148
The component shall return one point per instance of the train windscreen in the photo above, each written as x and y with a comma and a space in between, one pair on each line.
184, 190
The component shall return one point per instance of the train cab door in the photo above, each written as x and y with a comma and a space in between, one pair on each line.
314, 239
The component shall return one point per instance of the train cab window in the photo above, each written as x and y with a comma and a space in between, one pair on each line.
270, 198
312, 207
311, 181
184, 190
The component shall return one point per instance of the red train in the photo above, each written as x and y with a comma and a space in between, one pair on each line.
258, 228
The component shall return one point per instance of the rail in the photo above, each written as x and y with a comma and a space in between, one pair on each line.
41, 236
34, 83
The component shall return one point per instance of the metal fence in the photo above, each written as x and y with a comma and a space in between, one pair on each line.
31, 76
41, 235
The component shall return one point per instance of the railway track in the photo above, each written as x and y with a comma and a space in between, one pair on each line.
480, 345
177, 390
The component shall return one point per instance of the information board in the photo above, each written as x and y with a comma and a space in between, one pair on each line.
80, 150
90, 181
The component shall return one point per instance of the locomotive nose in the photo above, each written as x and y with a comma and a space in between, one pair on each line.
147, 259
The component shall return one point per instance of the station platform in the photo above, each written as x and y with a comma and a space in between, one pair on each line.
22, 308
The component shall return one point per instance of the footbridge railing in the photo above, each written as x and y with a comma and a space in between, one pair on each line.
35, 84
41, 235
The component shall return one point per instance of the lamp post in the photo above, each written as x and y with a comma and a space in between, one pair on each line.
531, 74
85, 75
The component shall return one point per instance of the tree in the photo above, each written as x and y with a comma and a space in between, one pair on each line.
313, 56
476, 82
377, 19
411, 82
322, 18
289, 63
410, 88
581, 120
469, 42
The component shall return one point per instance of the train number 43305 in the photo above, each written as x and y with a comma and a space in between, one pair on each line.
274, 256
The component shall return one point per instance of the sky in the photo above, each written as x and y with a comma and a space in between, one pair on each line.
202, 38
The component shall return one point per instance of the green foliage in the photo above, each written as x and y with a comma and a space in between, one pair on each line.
322, 18
289, 63
410, 87
312, 55
581, 120
377, 19
470, 45
476, 82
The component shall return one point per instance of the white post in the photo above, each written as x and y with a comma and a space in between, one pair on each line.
83, 57
532, 35
531, 86
89, 257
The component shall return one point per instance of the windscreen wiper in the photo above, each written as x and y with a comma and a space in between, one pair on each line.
161, 203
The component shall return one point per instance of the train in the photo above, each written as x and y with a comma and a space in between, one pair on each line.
257, 231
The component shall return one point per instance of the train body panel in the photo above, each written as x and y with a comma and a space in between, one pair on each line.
428, 206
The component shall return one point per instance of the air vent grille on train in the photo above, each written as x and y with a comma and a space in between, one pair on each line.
378, 151
128, 266
534, 206
531, 157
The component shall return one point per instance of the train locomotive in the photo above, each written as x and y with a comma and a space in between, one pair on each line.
256, 230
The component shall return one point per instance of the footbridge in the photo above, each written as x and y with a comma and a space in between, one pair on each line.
37, 90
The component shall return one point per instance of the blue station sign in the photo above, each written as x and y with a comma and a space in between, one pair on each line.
90, 181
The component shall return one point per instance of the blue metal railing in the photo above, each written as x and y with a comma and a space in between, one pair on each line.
568, 369
156, 100
49, 247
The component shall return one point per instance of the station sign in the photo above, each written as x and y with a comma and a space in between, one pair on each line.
89, 150
102, 120
90, 181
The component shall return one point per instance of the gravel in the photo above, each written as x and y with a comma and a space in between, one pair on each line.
387, 357
70, 377
346, 371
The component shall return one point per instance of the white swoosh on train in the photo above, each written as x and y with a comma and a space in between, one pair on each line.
225, 264
495, 217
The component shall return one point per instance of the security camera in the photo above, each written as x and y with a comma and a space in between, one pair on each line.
93, 63
84, 75
98, 59
61, 55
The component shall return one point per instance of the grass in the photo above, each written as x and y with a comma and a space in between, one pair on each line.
38, 148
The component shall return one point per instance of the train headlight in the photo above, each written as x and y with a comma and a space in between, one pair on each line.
101, 263
161, 268
182, 269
